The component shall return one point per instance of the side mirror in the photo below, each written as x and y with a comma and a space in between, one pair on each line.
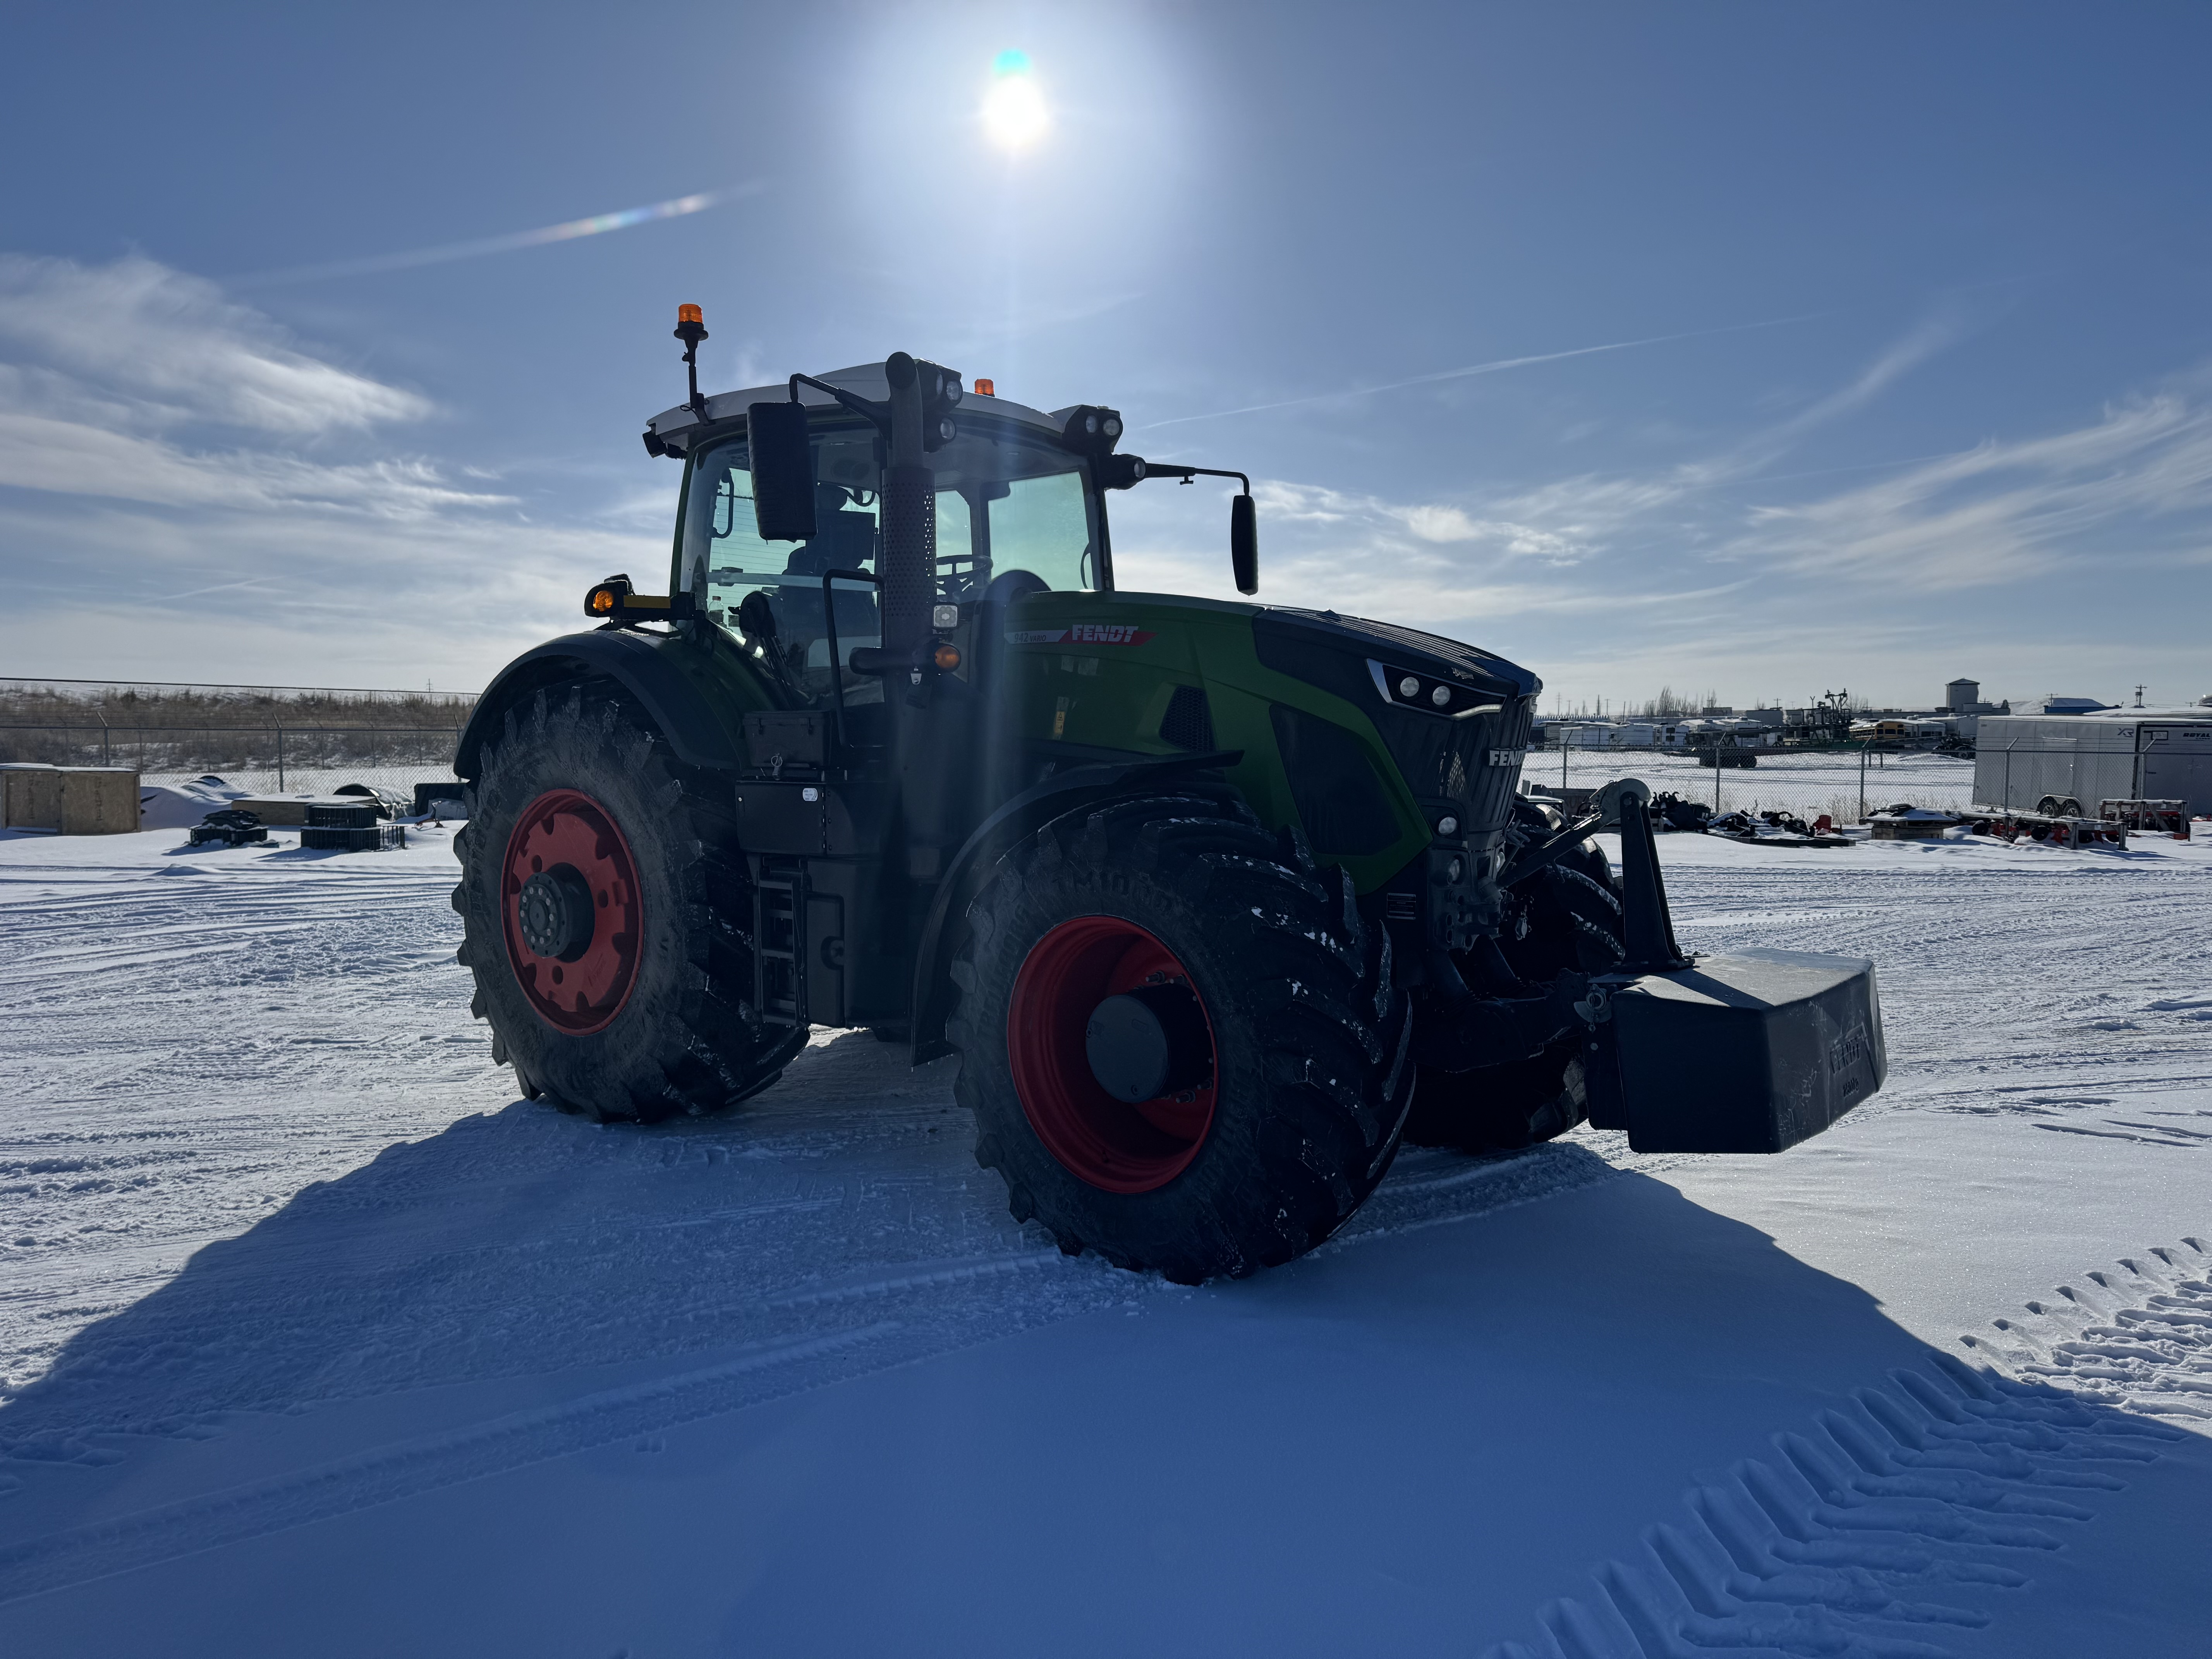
1243, 544
783, 471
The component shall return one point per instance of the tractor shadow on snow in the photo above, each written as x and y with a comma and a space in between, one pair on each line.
1547, 1378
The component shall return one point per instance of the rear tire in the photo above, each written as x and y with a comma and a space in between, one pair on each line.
665, 1024
1305, 1039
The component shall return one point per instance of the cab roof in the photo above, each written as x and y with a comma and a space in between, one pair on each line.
675, 427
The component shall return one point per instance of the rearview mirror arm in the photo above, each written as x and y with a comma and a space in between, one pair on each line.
880, 414
1185, 474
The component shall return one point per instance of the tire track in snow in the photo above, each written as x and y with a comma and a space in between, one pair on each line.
411, 1468
1873, 1529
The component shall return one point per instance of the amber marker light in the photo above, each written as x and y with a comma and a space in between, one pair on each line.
986, 388
600, 601
947, 658
689, 314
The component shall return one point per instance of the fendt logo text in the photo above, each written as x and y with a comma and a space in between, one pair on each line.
1083, 634
1854, 1048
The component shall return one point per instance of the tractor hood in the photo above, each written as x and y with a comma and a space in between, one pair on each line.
1387, 645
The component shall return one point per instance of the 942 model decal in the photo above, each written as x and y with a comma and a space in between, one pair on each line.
1082, 634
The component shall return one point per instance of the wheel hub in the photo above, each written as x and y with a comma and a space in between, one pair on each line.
1112, 1053
574, 916
556, 912
1148, 1042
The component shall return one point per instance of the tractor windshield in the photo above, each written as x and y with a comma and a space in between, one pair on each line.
1013, 515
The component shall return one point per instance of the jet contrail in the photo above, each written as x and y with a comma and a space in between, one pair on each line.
597, 225
1493, 368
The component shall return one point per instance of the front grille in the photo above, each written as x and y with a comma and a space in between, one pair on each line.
1491, 787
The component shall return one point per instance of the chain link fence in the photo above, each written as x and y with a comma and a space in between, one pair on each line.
1847, 785
264, 759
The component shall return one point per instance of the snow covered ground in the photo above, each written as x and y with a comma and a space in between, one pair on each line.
313, 1339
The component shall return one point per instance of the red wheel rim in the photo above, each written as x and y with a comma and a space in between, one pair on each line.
566, 827
1116, 1146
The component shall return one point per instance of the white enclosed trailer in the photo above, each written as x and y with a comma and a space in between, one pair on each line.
2021, 761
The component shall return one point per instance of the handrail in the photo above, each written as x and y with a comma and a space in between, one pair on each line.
829, 623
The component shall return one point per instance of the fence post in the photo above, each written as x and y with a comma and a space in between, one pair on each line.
1863, 755
280, 759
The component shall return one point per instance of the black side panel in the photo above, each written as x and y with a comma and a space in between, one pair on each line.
632, 659
1344, 805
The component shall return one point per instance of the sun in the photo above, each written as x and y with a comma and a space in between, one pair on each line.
1013, 110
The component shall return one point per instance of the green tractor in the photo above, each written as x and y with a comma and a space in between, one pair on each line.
1216, 902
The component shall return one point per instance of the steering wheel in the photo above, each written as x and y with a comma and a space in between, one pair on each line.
1010, 585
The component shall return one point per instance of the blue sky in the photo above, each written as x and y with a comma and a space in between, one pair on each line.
1905, 364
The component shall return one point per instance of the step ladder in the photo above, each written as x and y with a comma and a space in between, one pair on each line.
779, 942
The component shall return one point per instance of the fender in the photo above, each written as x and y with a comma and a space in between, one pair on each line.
631, 658
972, 866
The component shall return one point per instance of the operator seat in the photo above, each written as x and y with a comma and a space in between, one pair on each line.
842, 540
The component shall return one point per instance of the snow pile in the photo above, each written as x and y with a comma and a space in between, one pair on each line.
181, 805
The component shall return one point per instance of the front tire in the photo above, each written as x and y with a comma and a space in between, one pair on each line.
607, 918
1573, 921
1285, 1078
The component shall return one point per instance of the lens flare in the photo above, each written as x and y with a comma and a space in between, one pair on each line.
1013, 110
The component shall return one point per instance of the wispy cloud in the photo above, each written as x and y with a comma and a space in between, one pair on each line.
2004, 511
1569, 520
1496, 365
184, 486
1438, 564
135, 341
569, 230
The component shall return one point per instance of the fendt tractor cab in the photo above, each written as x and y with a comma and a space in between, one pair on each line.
1215, 901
